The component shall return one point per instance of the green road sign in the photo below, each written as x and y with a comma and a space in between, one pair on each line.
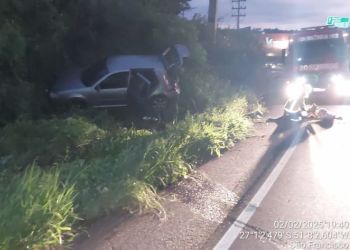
341, 22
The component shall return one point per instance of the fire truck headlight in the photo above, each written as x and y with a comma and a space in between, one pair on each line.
341, 85
342, 88
294, 90
337, 79
298, 88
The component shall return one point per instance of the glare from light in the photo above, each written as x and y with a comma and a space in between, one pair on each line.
299, 59
341, 85
298, 88
300, 80
337, 78
270, 54
283, 44
345, 34
342, 88
330, 160
294, 90
308, 90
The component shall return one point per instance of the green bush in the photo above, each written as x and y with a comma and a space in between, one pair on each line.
207, 134
45, 141
202, 89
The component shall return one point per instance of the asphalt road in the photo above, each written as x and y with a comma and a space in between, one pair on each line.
308, 206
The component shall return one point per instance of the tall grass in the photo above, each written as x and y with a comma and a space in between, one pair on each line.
208, 134
95, 170
36, 210
45, 141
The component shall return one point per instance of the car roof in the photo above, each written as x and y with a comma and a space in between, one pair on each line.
121, 63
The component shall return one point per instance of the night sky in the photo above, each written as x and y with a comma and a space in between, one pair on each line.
283, 14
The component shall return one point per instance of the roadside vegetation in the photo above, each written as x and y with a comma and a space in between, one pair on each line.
76, 169
56, 171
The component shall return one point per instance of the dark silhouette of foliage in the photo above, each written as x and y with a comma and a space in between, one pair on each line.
40, 38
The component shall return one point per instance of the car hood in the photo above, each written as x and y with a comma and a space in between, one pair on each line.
68, 81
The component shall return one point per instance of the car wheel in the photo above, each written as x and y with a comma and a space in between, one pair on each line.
77, 104
159, 103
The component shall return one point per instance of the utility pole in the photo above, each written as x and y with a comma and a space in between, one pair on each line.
238, 7
212, 13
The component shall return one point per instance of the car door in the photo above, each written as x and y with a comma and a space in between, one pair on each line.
173, 59
175, 56
112, 90
142, 83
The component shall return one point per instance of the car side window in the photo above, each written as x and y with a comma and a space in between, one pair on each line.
115, 81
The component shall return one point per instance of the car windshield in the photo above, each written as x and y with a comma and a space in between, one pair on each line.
94, 73
320, 51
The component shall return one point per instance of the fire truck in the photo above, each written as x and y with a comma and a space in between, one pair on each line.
318, 58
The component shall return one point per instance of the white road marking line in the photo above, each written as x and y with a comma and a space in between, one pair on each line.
233, 232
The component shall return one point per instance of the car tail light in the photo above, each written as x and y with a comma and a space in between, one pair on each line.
167, 83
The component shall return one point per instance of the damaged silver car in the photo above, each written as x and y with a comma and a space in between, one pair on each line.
123, 80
